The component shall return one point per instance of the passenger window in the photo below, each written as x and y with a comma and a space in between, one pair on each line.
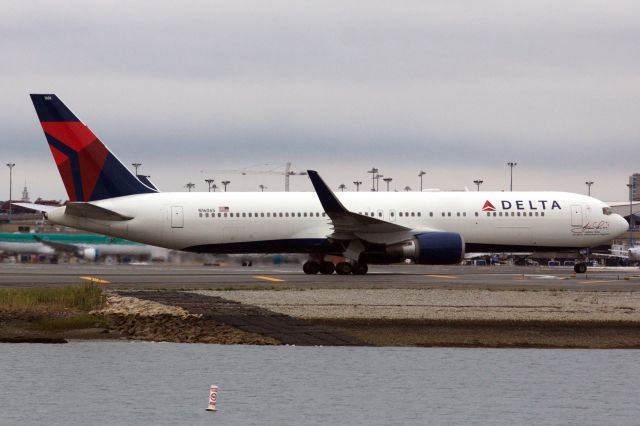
500, 214
464, 214
443, 214
430, 214
379, 214
476, 214
518, 213
219, 214
206, 215
541, 213
530, 214
494, 214
536, 213
413, 214
419, 214
225, 215
400, 214
449, 214
458, 214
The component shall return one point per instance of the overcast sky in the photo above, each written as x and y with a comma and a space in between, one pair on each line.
197, 89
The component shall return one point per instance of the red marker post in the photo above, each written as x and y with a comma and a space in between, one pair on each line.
213, 398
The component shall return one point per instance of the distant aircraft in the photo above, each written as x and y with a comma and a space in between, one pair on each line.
86, 246
380, 227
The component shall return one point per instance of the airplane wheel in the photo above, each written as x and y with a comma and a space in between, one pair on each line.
311, 267
344, 268
360, 269
580, 268
327, 268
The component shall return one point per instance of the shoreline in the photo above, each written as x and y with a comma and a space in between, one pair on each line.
417, 318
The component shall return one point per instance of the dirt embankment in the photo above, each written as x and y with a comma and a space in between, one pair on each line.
139, 319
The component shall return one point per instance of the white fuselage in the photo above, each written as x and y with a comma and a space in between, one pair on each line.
187, 220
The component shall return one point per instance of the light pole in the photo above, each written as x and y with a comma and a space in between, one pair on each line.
341, 187
135, 166
262, 187
511, 165
209, 182
631, 219
422, 173
478, 182
388, 180
190, 185
378, 176
373, 172
589, 183
214, 186
357, 183
10, 166
225, 183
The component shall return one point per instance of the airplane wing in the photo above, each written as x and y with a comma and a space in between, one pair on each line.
354, 227
347, 224
58, 246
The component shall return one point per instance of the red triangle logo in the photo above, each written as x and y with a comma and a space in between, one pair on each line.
488, 207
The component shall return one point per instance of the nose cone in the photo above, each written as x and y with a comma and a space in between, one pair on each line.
619, 225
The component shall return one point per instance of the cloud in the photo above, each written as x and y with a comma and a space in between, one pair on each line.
438, 85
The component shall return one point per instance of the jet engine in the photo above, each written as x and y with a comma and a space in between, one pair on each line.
429, 248
90, 254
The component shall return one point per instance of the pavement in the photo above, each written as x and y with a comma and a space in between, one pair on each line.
183, 277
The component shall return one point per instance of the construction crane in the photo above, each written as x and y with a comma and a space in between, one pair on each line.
287, 172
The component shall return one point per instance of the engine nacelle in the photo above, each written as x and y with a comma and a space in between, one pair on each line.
90, 254
430, 248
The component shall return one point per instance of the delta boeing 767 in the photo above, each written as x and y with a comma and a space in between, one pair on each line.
364, 228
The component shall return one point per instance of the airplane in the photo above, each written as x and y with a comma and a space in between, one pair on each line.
86, 246
358, 228
623, 252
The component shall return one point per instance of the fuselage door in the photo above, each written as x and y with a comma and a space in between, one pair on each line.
177, 217
576, 215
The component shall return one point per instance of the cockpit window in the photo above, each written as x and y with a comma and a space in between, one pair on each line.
606, 211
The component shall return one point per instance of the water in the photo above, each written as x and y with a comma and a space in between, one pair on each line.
116, 383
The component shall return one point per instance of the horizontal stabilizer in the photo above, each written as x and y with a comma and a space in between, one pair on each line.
91, 211
37, 207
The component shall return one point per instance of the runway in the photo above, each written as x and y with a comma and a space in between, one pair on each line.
291, 277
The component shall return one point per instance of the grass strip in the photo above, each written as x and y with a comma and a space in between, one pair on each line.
83, 298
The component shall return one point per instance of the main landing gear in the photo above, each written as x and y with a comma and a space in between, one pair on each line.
312, 267
580, 268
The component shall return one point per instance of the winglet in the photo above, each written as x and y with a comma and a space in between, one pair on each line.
329, 201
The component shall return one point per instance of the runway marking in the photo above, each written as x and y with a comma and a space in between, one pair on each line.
596, 282
273, 280
96, 280
441, 276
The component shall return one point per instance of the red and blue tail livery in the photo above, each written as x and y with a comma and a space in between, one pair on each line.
88, 169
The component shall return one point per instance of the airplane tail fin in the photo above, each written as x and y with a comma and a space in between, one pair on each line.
88, 169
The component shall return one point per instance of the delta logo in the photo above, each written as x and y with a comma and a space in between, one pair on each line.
488, 207
522, 205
